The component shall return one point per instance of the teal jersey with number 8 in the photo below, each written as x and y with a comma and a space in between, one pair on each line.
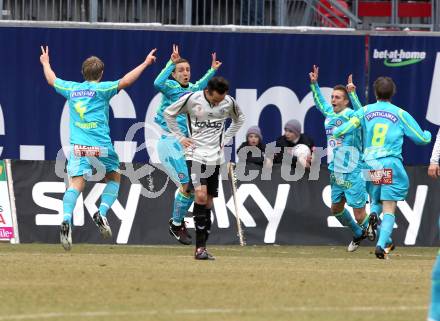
384, 126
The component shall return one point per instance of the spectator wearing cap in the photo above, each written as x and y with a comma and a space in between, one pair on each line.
292, 136
255, 150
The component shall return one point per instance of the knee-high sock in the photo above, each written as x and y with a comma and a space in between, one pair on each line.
389, 241
69, 202
434, 308
347, 220
386, 229
182, 203
208, 222
376, 208
365, 222
108, 197
200, 223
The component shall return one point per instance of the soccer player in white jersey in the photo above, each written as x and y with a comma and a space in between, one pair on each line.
207, 112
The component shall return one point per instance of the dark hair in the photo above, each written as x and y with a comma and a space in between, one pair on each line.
92, 68
218, 84
343, 89
384, 88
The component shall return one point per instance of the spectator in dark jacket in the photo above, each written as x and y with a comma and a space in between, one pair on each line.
253, 139
292, 137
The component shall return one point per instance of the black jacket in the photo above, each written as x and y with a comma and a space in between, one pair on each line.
258, 160
283, 143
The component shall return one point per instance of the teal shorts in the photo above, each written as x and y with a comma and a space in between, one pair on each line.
172, 156
349, 186
84, 158
388, 180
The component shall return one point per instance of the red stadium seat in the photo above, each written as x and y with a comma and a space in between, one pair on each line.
323, 9
406, 9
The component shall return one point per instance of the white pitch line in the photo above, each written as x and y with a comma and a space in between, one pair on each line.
94, 314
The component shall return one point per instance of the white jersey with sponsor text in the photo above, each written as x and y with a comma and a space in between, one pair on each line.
206, 124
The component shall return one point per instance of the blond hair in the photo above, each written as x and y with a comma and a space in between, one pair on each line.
92, 69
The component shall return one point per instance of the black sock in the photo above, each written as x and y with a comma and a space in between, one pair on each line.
208, 223
200, 224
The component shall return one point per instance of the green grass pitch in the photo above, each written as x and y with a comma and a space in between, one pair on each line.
267, 283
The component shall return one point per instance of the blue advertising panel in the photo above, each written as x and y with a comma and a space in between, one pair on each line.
413, 64
268, 75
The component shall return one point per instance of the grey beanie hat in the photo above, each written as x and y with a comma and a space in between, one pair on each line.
254, 130
294, 126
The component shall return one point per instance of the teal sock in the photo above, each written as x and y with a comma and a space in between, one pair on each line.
182, 203
389, 241
386, 229
347, 220
365, 222
376, 208
108, 197
434, 308
69, 202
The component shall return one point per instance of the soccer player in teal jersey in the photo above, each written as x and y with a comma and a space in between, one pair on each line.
170, 151
434, 172
347, 185
90, 135
375, 204
384, 126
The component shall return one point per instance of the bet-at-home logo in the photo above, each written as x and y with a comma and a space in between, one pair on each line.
399, 58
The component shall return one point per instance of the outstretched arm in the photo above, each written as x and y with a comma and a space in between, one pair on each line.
133, 75
48, 72
412, 129
161, 79
320, 103
203, 82
351, 89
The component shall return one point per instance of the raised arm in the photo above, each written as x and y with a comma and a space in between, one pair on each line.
203, 82
351, 89
412, 129
323, 106
48, 72
238, 118
161, 79
133, 75
353, 123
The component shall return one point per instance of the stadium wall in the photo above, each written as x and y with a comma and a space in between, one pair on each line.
274, 209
